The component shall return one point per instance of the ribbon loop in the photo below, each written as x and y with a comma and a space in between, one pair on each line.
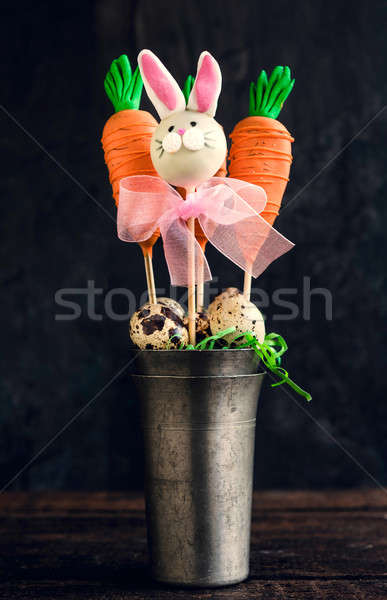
227, 210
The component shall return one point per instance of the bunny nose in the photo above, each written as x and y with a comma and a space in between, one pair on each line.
181, 131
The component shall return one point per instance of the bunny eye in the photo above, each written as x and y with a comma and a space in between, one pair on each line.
171, 128
193, 123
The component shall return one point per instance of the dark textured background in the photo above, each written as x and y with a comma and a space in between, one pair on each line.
53, 60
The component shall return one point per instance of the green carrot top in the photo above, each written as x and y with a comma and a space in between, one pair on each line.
188, 85
122, 87
268, 96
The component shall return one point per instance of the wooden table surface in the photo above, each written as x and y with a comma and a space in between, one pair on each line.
329, 545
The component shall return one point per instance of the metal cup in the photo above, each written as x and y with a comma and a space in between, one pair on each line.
198, 412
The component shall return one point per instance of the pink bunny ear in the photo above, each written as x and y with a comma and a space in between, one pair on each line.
162, 89
208, 82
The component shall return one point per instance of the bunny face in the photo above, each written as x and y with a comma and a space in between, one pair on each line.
189, 146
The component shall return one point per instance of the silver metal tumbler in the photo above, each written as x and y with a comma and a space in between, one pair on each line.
198, 411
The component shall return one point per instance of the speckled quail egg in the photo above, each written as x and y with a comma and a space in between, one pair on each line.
173, 305
202, 326
231, 291
157, 327
170, 303
232, 309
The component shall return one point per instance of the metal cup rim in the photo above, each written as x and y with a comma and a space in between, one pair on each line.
260, 374
174, 351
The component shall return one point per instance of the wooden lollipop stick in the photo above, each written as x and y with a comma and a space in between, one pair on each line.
191, 283
147, 251
200, 290
202, 241
247, 286
150, 280
200, 284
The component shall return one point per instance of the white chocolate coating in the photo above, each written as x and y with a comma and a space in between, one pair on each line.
201, 153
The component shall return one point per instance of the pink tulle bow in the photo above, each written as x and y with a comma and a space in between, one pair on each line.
227, 210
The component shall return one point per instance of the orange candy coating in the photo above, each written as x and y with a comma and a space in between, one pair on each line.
126, 141
261, 154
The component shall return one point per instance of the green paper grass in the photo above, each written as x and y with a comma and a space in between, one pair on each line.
122, 87
269, 351
267, 97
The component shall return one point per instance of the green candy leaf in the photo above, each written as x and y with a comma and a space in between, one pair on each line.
268, 96
122, 87
187, 88
261, 88
273, 79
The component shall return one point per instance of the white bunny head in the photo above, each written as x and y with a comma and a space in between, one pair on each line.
188, 146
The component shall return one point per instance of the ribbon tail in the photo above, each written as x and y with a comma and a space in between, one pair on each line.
177, 240
272, 245
251, 243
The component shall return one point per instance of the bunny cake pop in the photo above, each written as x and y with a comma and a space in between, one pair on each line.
188, 146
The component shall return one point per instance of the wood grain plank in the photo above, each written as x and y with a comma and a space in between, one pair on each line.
60, 502
284, 545
367, 589
318, 545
